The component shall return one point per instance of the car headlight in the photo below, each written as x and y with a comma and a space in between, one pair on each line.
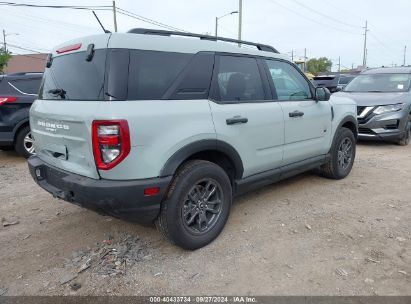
389, 108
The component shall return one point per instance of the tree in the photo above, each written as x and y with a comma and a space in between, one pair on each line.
4, 58
318, 65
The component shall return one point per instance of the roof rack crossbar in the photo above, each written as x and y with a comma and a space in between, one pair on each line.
143, 31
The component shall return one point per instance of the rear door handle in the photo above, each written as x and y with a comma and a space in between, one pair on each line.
236, 120
296, 114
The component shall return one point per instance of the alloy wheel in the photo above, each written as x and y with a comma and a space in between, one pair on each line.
29, 143
202, 206
345, 151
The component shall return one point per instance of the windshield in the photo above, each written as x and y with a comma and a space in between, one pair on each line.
72, 77
380, 83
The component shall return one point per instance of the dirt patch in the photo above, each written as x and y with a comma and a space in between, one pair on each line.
303, 236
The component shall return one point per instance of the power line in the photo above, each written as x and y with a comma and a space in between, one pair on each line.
312, 20
23, 48
326, 16
80, 7
56, 28
148, 20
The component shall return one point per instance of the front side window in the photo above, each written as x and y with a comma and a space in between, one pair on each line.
380, 83
288, 82
238, 79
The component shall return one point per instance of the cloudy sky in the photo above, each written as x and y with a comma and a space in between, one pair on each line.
324, 27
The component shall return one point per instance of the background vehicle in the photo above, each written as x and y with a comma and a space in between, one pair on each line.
301, 64
333, 82
383, 98
17, 93
167, 129
344, 80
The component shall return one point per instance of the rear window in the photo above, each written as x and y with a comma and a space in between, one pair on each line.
71, 77
151, 73
26, 86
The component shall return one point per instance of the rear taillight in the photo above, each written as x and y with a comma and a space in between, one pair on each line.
7, 99
111, 142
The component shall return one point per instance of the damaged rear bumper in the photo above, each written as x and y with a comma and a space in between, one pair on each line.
123, 199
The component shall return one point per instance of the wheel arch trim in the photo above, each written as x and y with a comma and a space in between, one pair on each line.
193, 148
351, 119
19, 126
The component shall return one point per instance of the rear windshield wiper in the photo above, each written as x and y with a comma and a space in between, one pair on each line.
58, 92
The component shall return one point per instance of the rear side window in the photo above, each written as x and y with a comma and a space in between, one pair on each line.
288, 82
151, 73
238, 79
71, 77
26, 86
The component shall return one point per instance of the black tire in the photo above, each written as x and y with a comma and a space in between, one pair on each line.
181, 205
337, 168
406, 139
19, 144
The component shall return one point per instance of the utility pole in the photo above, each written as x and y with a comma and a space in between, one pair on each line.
364, 60
240, 19
4, 40
405, 55
305, 60
115, 16
216, 26
339, 64
292, 55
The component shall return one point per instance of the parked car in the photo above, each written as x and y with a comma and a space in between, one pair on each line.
344, 80
334, 82
383, 100
150, 126
17, 93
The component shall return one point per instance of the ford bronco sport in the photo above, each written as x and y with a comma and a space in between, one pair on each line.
164, 127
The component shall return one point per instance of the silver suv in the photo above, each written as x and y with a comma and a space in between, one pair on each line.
166, 127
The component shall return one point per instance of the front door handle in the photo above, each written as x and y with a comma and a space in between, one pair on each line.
236, 120
296, 114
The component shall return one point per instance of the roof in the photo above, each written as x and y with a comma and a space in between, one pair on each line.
155, 42
395, 70
26, 63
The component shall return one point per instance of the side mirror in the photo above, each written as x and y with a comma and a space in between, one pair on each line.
322, 94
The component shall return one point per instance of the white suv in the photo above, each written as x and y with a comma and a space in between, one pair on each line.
166, 127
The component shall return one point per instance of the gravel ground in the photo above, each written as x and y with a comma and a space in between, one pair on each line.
303, 236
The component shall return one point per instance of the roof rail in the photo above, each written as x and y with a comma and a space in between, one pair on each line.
143, 31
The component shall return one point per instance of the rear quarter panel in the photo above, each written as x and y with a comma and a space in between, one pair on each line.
158, 129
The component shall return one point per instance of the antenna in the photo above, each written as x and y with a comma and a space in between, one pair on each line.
105, 31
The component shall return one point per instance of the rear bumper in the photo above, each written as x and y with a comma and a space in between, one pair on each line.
123, 199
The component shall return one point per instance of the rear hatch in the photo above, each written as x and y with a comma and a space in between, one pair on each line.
326, 81
70, 95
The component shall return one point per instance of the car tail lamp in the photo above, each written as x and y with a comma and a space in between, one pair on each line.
7, 99
111, 142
